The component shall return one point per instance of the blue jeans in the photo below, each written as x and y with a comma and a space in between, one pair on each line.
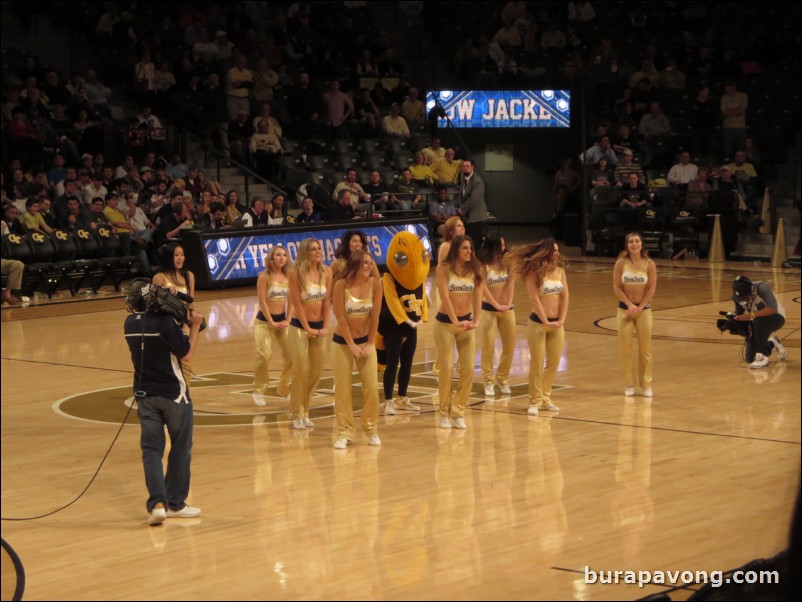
154, 414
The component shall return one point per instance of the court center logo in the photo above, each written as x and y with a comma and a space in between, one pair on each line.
219, 399
225, 399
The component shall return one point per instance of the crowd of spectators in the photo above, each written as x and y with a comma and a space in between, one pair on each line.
672, 93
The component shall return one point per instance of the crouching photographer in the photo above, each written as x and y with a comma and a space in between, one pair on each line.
158, 345
757, 305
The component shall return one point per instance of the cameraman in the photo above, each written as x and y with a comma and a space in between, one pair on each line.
158, 346
755, 302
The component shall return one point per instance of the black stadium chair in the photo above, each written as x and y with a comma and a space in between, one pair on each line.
44, 254
398, 145
290, 147
89, 252
651, 226
402, 160
16, 247
118, 266
685, 228
318, 163
346, 159
73, 270
344, 146
325, 178
371, 146
608, 232
376, 161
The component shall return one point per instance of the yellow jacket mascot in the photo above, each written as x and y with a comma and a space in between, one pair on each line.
404, 307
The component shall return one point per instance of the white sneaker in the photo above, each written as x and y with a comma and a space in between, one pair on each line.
490, 391
389, 407
550, 407
403, 403
647, 392
259, 399
341, 443
298, 424
781, 352
445, 422
629, 391
505, 389
157, 515
308, 422
760, 361
374, 440
460, 423
186, 512
532, 411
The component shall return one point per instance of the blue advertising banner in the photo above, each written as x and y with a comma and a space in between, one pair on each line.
503, 108
242, 255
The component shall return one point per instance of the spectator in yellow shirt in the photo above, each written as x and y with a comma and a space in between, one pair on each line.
434, 153
394, 125
114, 216
32, 220
448, 170
413, 110
422, 174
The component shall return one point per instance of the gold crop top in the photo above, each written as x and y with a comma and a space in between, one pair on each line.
460, 285
551, 287
314, 292
356, 308
633, 276
497, 278
168, 283
277, 290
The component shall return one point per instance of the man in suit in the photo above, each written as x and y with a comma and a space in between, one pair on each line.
472, 202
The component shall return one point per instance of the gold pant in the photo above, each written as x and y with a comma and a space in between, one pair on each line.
264, 334
642, 324
342, 361
445, 336
545, 345
307, 355
505, 322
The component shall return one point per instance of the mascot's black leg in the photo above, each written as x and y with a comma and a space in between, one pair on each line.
407, 356
392, 349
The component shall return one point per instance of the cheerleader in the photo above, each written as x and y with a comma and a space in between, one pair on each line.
497, 312
352, 240
271, 324
460, 284
310, 283
541, 269
356, 298
634, 283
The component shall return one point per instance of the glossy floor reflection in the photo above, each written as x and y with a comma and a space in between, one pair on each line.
702, 477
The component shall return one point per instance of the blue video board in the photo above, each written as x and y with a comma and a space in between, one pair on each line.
242, 255
502, 108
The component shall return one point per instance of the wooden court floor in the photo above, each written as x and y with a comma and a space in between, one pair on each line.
703, 477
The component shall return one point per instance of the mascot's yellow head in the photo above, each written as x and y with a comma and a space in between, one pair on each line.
408, 260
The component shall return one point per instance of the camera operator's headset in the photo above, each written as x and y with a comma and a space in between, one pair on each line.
135, 299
